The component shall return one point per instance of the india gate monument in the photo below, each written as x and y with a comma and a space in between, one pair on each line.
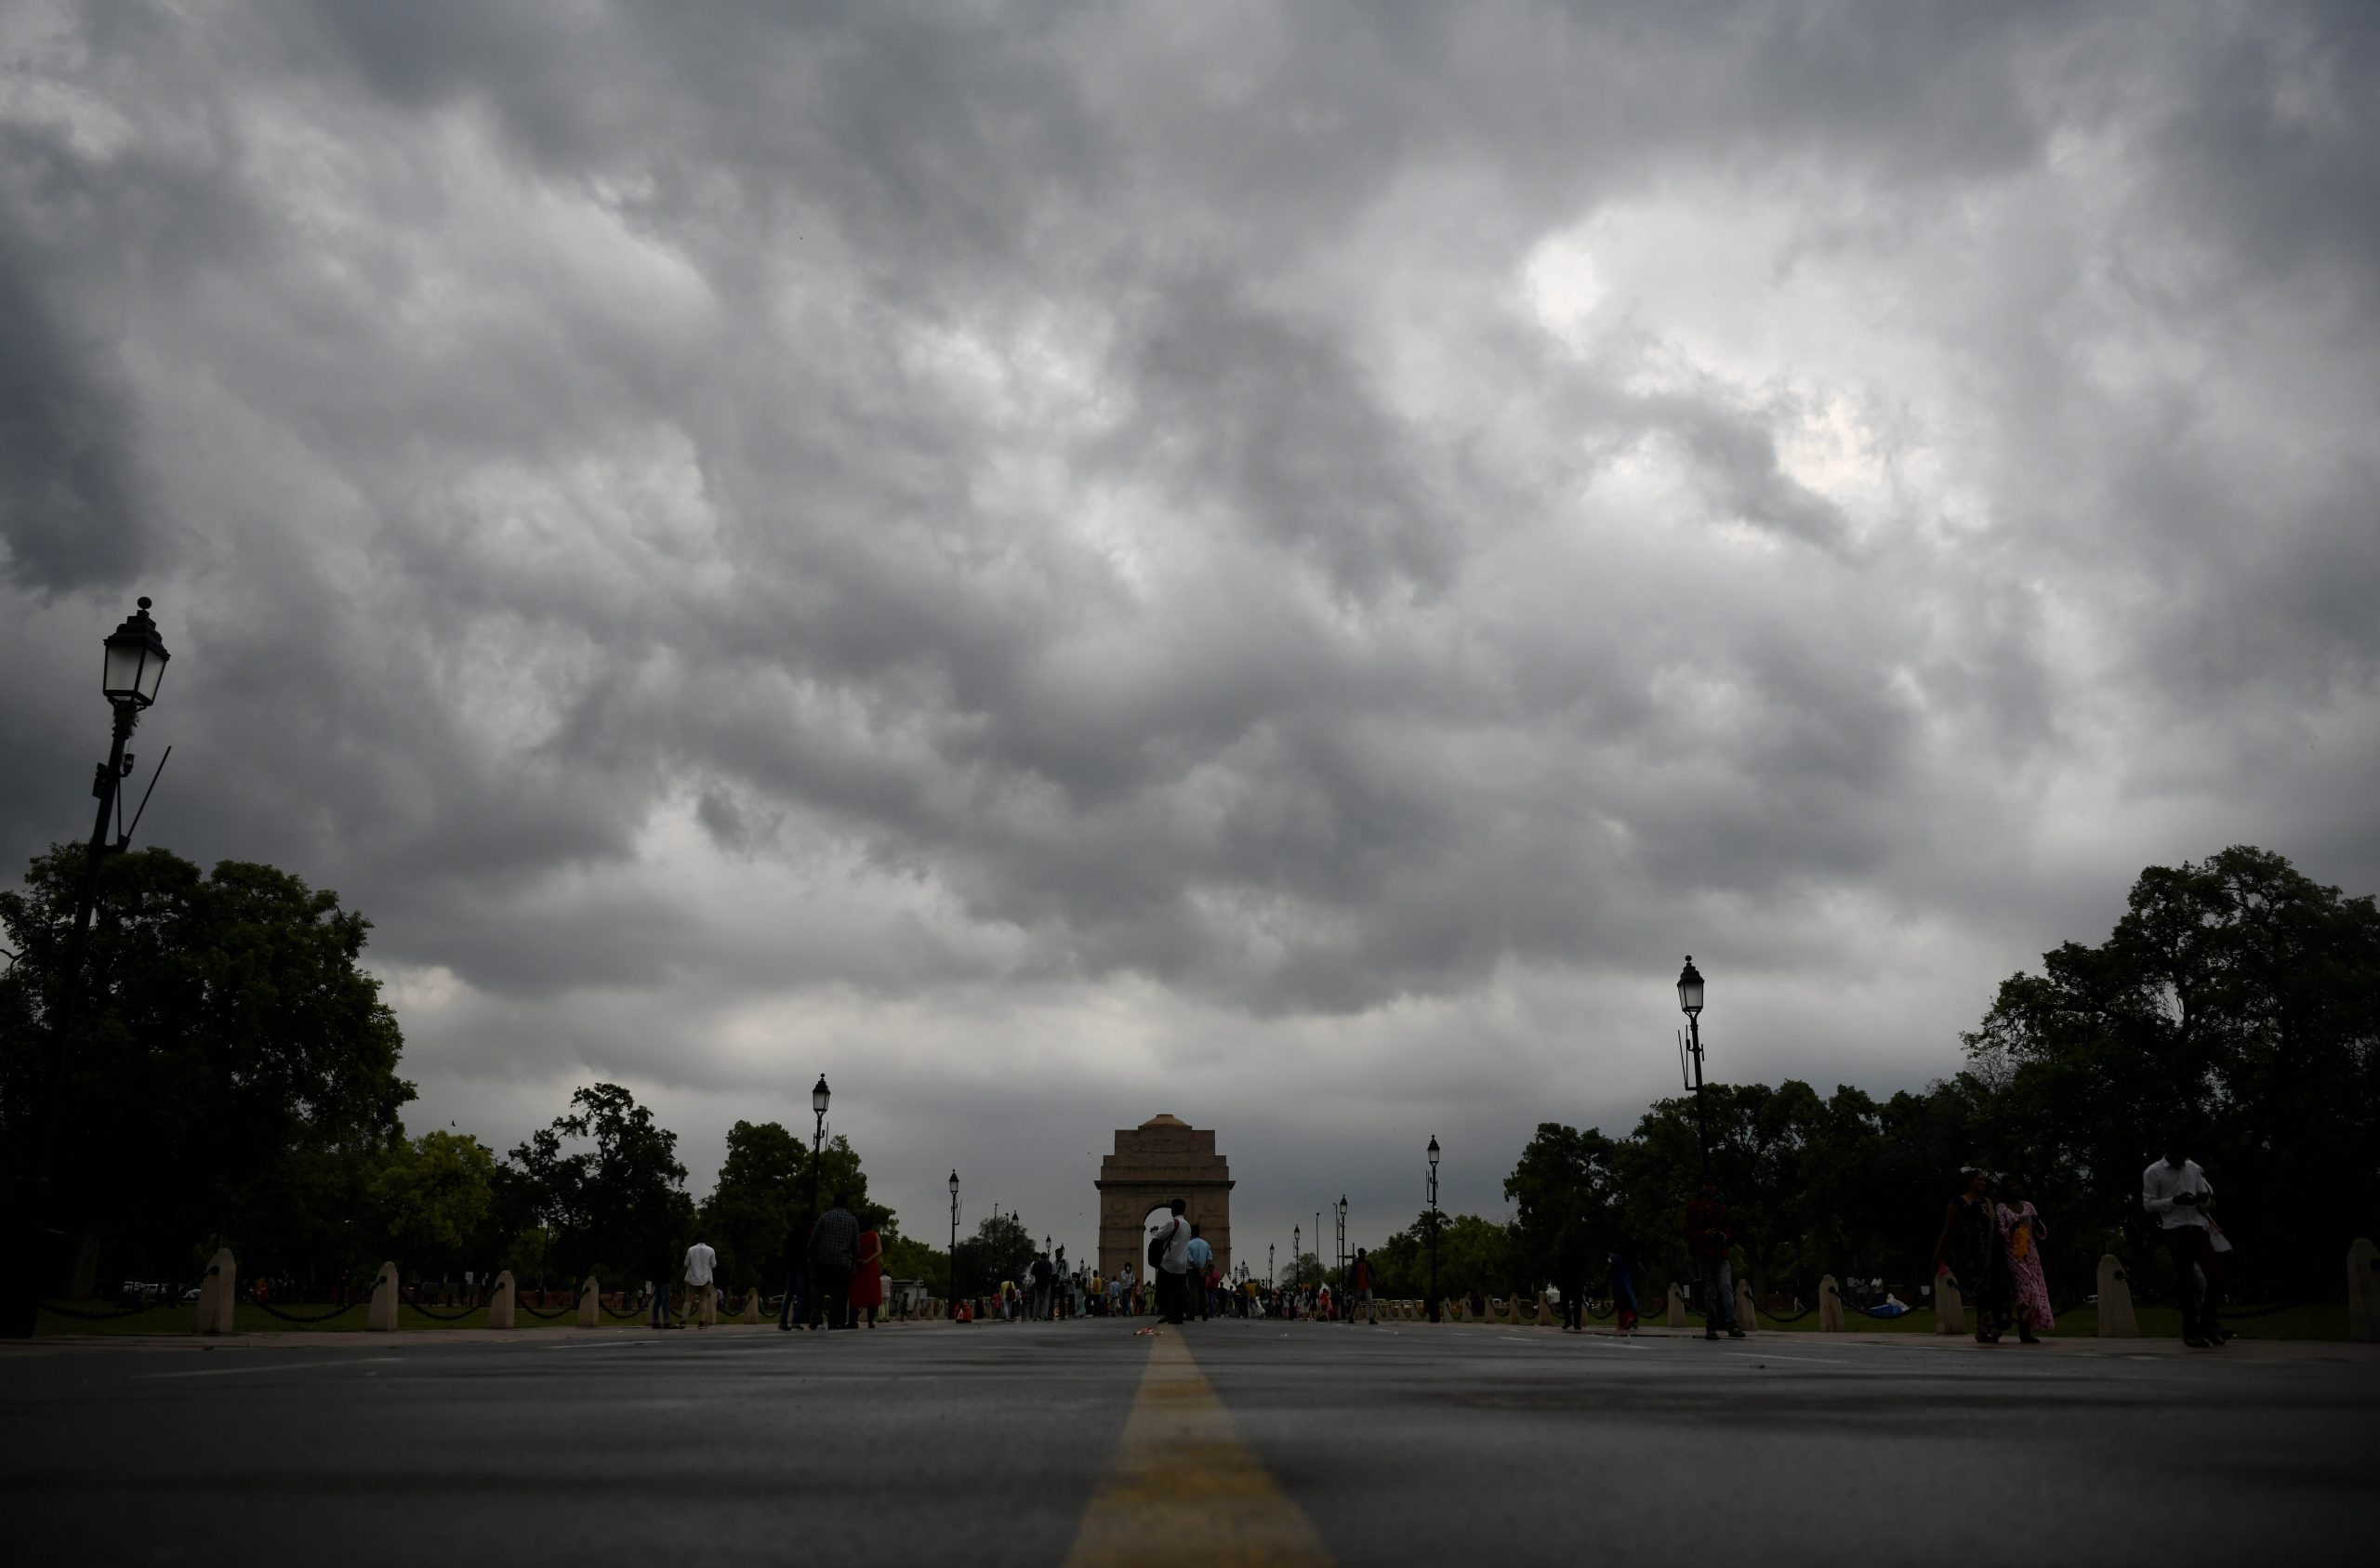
1162, 1159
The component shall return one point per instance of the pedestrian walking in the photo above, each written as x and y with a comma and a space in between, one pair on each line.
794, 1312
2021, 1224
1621, 1276
868, 1277
702, 1265
1170, 1259
834, 1247
1361, 1278
1974, 1253
2178, 1194
1710, 1234
659, 1288
1202, 1262
1571, 1263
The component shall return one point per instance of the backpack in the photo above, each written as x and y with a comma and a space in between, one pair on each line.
1159, 1243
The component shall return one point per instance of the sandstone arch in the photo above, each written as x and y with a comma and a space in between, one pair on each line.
1163, 1158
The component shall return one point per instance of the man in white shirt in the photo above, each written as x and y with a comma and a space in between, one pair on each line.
702, 1263
2178, 1194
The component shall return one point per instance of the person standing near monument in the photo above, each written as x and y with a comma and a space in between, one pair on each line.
1169, 1252
1202, 1258
1710, 1234
2178, 1194
834, 1246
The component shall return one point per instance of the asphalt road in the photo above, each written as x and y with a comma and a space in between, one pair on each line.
999, 1443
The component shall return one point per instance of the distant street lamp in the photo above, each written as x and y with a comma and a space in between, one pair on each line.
1434, 1228
1689, 1001
953, 1303
1339, 1246
1268, 1265
818, 1145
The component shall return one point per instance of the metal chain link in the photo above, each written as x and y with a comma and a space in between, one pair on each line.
313, 1317
85, 1316
413, 1299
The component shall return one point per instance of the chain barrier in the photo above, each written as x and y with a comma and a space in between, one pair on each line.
1760, 1311
84, 1314
314, 1317
557, 1312
413, 1299
619, 1317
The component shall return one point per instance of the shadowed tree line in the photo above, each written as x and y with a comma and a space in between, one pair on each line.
225, 1073
2232, 1015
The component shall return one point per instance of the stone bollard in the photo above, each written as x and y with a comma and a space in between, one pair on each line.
1950, 1307
1675, 1317
2363, 1291
381, 1316
1747, 1309
703, 1310
499, 1301
218, 1292
1830, 1305
752, 1305
590, 1302
2116, 1321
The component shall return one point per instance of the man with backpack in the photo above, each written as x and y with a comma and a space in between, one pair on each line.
1169, 1257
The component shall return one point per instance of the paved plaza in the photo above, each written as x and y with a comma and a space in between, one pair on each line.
1248, 1442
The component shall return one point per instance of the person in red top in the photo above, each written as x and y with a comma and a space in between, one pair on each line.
868, 1278
1710, 1234
1362, 1280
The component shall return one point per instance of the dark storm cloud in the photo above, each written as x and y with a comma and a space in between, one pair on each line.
1262, 537
71, 506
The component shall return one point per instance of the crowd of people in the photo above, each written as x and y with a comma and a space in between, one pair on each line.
1182, 1279
1990, 1249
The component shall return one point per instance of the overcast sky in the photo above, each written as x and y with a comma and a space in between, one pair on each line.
1283, 564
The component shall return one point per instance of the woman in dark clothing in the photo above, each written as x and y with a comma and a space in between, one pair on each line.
1977, 1254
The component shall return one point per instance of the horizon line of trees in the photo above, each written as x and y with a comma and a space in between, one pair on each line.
2233, 1016
228, 1072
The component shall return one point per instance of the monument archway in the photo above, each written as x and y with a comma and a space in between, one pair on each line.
1162, 1159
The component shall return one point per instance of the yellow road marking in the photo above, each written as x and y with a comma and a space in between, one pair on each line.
1185, 1488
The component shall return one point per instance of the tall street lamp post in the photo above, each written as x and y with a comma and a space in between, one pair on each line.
135, 663
131, 669
1689, 1001
817, 1146
1268, 1265
1434, 1228
1339, 1245
953, 1303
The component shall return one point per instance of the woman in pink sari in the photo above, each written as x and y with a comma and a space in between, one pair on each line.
2021, 1223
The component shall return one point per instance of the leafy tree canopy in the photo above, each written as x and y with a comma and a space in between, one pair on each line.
616, 1200
225, 1043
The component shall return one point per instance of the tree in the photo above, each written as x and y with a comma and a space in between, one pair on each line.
753, 1211
224, 1048
2233, 1011
619, 1208
1564, 1188
758, 1212
433, 1198
1000, 1249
